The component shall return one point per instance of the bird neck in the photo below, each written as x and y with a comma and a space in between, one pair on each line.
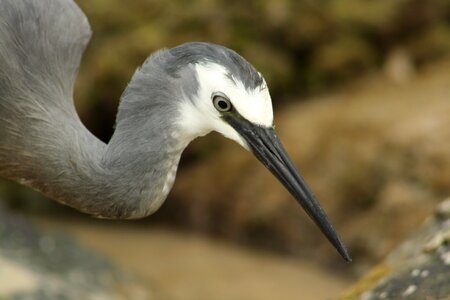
143, 154
143, 164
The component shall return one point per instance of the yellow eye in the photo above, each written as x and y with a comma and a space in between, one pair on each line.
222, 103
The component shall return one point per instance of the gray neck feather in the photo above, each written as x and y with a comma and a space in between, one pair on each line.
129, 177
44, 145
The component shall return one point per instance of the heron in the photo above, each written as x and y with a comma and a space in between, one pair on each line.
177, 95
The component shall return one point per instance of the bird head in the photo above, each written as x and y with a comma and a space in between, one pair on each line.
232, 98
222, 98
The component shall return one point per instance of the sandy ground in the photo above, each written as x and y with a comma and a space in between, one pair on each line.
184, 266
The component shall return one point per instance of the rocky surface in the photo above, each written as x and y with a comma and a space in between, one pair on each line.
181, 265
418, 269
39, 266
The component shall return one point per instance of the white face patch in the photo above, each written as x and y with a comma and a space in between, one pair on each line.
199, 116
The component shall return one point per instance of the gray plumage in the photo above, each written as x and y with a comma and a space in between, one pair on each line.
43, 143
177, 95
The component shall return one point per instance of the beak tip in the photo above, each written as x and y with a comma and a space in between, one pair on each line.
342, 250
333, 237
346, 256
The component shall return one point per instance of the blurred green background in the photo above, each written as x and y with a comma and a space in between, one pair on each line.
301, 47
361, 96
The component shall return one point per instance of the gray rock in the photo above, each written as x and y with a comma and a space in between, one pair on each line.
418, 269
35, 265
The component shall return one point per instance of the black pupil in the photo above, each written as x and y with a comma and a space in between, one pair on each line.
222, 104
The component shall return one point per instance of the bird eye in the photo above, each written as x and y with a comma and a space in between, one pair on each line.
221, 103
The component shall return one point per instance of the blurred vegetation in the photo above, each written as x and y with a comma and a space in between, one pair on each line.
301, 46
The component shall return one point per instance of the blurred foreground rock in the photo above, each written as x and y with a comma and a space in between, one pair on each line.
40, 266
419, 269
377, 155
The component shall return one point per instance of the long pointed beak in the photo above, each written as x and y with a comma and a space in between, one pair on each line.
266, 146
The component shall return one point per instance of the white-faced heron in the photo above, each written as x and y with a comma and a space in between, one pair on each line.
177, 95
